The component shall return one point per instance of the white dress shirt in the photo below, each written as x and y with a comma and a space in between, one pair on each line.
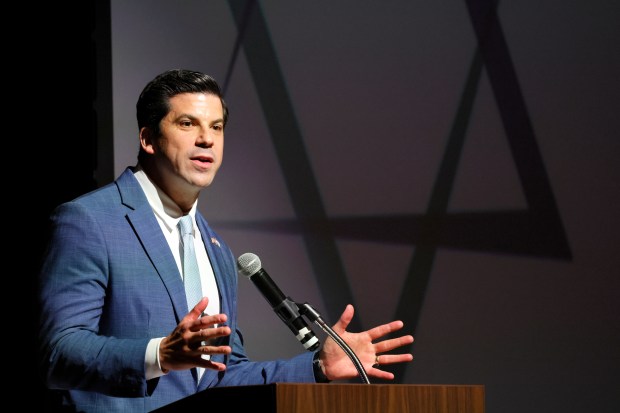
168, 215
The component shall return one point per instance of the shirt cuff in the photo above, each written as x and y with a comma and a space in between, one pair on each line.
152, 366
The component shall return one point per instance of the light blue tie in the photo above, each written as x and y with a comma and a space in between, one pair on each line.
191, 275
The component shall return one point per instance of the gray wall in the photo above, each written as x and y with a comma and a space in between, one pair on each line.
422, 162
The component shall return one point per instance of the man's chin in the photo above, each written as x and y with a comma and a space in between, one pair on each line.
203, 181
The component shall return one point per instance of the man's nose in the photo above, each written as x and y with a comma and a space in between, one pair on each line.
204, 139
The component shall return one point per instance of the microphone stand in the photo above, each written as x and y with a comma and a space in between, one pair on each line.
306, 310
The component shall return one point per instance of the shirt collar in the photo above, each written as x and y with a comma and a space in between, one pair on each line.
163, 206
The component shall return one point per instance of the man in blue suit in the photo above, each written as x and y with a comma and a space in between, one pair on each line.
116, 331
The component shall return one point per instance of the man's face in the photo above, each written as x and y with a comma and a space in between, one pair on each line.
191, 146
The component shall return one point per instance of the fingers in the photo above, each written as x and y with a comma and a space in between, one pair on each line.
206, 334
386, 359
212, 350
392, 343
345, 319
202, 340
185, 347
385, 329
196, 312
210, 364
207, 349
208, 321
381, 374
383, 359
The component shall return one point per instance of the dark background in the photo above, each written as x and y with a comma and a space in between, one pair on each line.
62, 66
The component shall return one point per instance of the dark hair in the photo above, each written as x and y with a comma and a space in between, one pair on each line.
154, 101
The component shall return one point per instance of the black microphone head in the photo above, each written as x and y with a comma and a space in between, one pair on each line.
248, 264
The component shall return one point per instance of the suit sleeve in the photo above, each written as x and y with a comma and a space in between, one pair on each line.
72, 294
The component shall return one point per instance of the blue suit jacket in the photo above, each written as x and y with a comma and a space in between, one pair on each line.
109, 284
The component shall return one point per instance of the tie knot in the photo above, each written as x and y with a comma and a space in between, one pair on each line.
185, 224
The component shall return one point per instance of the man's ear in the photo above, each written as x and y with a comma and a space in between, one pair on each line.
146, 140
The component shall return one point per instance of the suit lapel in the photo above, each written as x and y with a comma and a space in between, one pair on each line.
148, 231
218, 263
222, 270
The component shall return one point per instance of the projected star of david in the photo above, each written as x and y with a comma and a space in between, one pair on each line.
534, 231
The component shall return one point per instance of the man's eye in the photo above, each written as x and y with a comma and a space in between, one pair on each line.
186, 123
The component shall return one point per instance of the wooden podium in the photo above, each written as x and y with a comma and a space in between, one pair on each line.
338, 398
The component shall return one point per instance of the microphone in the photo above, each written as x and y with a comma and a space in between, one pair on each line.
249, 265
